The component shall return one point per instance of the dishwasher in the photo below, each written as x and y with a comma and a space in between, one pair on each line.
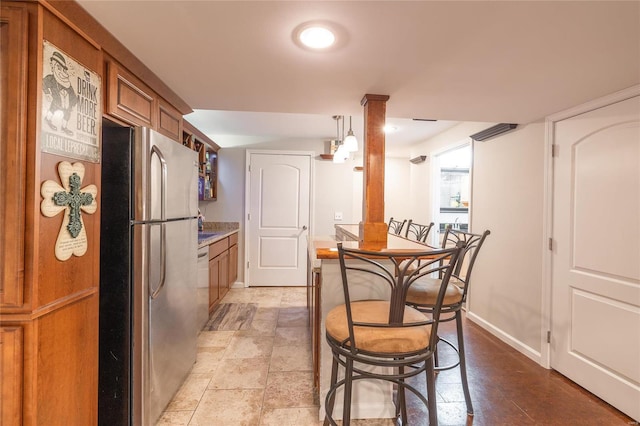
202, 312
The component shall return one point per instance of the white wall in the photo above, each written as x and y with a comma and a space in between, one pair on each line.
508, 195
507, 190
397, 189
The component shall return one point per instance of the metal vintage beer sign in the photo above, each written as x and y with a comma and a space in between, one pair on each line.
71, 107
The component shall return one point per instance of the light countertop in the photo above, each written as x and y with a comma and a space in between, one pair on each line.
216, 231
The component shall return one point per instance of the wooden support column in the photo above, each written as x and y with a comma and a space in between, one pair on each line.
373, 229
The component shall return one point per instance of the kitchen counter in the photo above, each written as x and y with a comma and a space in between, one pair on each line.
216, 231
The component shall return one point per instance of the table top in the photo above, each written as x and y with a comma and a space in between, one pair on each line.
326, 247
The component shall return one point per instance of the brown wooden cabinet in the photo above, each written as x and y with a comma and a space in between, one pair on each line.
169, 120
233, 258
223, 268
133, 102
48, 307
218, 271
11, 356
13, 153
128, 98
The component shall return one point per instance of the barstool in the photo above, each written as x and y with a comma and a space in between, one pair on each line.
394, 338
418, 232
395, 226
425, 296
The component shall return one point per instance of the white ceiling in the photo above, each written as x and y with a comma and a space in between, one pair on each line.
488, 61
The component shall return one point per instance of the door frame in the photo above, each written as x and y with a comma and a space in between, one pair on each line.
247, 197
547, 225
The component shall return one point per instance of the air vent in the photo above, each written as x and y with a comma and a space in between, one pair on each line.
493, 131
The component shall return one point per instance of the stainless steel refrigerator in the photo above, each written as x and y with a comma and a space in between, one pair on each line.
148, 276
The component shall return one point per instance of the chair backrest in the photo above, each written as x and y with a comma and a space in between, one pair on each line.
395, 226
418, 232
472, 244
393, 272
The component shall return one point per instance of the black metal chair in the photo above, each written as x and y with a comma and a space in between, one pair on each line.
387, 334
395, 226
418, 232
425, 296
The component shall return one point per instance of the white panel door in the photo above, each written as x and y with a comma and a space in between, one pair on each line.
596, 258
278, 219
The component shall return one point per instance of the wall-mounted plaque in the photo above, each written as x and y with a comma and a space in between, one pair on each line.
73, 200
71, 107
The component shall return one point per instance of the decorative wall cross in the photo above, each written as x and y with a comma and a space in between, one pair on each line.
75, 199
72, 238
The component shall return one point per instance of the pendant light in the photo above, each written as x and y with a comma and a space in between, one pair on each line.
341, 154
350, 143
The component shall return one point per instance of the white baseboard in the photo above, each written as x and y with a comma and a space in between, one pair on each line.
526, 350
238, 284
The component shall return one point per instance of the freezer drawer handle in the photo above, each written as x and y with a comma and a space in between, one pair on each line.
163, 262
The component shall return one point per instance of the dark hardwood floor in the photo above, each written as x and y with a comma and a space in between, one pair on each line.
507, 388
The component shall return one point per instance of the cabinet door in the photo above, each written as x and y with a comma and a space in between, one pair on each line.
11, 352
233, 264
13, 115
214, 282
169, 121
130, 99
223, 275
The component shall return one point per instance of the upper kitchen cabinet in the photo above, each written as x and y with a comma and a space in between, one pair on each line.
128, 98
131, 100
169, 120
207, 161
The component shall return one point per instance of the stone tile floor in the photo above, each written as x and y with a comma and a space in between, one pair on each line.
262, 376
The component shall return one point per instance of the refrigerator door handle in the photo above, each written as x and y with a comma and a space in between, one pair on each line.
163, 262
163, 179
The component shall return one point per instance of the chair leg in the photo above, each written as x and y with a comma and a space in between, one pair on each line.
348, 382
328, 405
431, 393
402, 401
435, 355
463, 364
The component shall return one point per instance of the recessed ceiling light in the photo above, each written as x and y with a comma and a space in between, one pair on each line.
317, 37
388, 128
320, 36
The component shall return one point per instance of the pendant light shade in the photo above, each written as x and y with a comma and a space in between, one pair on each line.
344, 146
341, 154
350, 142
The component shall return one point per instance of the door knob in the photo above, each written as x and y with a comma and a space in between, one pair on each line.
304, 228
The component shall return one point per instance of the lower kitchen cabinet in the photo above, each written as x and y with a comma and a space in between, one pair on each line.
233, 259
223, 268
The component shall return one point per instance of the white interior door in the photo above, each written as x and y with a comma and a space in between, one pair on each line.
278, 221
596, 253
